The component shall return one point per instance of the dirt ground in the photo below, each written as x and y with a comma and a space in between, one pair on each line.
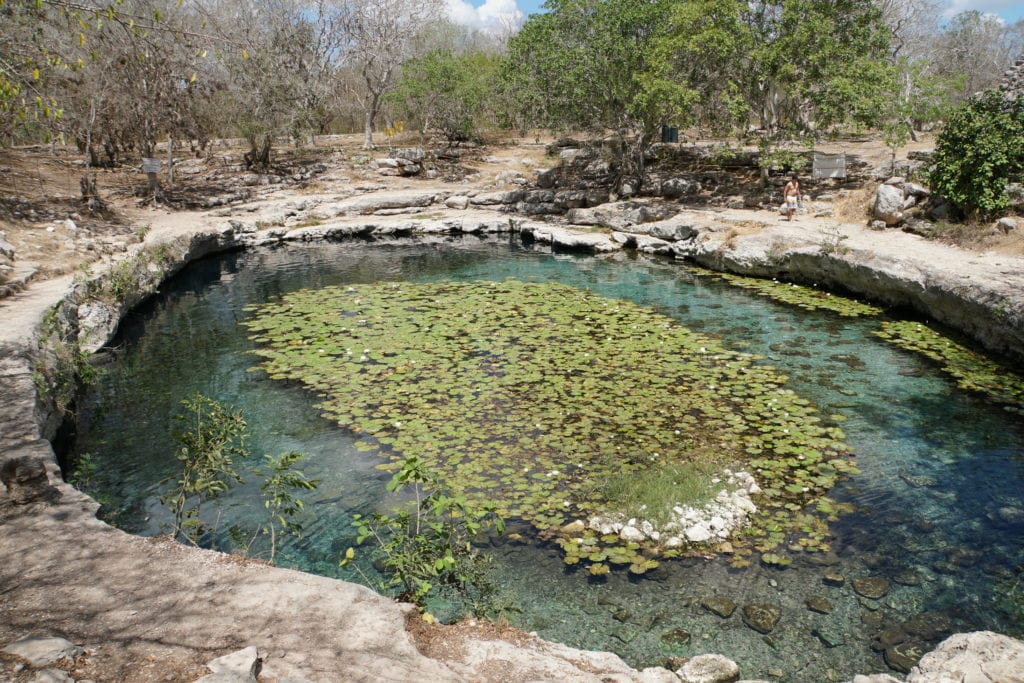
53, 232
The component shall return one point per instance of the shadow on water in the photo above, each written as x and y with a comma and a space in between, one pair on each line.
938, 509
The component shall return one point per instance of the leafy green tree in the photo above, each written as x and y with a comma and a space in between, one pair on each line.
427, 547
978, 152
597, 65
448, 92
814, 64
210, 439
280, 484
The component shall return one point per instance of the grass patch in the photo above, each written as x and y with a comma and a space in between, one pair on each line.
651, 494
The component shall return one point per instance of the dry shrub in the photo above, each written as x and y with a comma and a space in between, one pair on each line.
854, 206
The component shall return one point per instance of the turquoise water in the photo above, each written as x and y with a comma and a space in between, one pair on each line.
939, 503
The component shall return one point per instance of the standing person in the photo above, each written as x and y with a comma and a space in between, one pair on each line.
791, 193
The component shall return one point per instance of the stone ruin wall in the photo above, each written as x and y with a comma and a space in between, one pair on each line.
1013, 79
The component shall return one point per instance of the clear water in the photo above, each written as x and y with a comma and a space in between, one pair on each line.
941, 496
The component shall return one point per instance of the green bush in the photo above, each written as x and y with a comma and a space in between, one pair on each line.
426, 547
978, 152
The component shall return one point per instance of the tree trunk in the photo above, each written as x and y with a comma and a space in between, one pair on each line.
259, 152
170, 161
368, 129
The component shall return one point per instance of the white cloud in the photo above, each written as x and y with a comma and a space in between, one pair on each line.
493, 15
993, 7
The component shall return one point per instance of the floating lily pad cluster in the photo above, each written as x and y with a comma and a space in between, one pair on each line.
532, 395
807, 298
972, 371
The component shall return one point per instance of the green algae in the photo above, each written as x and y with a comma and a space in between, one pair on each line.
807, 298
532, 396
972, 371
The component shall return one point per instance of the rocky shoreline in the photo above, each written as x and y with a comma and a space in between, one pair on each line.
100, 581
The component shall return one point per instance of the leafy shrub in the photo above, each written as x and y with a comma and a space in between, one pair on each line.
427, 547
211, 438
980, 149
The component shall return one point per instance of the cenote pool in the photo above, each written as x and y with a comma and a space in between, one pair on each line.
938, 506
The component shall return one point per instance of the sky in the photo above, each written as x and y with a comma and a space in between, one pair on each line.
495, 14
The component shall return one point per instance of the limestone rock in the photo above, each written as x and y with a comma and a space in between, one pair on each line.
458, 202
618, 215
709, 669
6, 250
246, 664
657, 674
982, 657
673, 188
875, 678
916, 191
42, 652
373, 203
26, 480
889, 204
51, 676
761, 617
1006, 225
568, 239
673, 230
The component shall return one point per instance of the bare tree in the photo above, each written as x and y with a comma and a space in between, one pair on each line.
278, 58
379, 36
977, 48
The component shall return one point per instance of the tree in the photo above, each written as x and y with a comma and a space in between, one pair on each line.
977, 153
815, 64
277, 55
379, 35
448, 92
595, 65
125, 70
210, 441
976, 48
211, 438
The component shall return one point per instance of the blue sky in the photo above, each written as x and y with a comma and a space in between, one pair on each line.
481, 12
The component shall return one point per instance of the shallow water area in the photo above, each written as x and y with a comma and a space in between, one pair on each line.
939, 505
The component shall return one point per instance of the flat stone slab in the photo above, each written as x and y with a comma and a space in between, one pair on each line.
40, 652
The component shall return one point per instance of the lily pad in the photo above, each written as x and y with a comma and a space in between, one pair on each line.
531, 397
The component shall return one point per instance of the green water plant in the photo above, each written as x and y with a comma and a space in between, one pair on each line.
281, 483
210, 438
426, 545
211, 444
531, 397
801, 296
972, 371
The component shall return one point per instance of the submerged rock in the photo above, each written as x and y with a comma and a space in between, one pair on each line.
833, 579
676, 636
761, 617
904, 656
873, 587
818, 604
829, 636
723, 607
